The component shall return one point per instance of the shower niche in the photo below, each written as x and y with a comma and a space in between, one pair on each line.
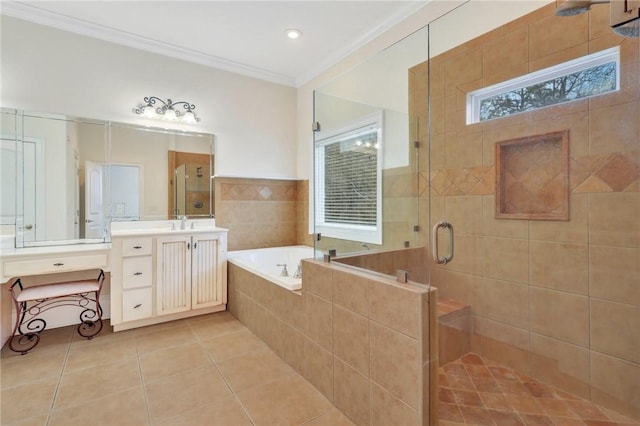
532, 177
190, 184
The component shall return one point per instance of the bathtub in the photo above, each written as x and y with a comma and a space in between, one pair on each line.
263, 262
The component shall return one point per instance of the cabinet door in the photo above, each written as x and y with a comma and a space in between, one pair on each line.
173, 274
136, 304
206, 276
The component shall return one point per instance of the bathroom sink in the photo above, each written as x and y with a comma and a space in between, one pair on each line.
157, 227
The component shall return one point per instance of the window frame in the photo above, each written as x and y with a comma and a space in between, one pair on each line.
346, 231
476, 97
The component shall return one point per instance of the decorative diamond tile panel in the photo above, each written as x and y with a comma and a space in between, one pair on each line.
265, 192
619, 173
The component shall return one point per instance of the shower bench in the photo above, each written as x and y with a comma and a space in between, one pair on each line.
32, 301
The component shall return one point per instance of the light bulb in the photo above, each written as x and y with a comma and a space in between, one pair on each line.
148, 111
189, 117
293, 33
358, 142
170, 114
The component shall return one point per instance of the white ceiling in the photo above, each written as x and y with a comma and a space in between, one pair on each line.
246, 37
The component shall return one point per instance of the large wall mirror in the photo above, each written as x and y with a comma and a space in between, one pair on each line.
65, 179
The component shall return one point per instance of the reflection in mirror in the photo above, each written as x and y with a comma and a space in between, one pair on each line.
65, 179
50, 180
190, 184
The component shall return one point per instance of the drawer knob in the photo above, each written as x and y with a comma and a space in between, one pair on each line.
58, 264
137, 306
137, 273
137, 247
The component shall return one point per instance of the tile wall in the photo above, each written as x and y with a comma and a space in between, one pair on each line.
363, 341
262, 212
558, 300
389, 262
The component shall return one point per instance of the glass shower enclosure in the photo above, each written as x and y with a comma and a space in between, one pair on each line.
542, 206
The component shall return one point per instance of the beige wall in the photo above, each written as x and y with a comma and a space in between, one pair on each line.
55, 71
558, 300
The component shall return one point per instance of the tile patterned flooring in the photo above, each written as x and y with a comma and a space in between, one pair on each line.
199, 371
212, 370
474, 390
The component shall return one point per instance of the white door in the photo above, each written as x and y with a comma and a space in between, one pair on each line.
8, 176
93, 217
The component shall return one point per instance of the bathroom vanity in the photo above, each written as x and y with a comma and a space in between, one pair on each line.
41, 262
160, 270
166, 270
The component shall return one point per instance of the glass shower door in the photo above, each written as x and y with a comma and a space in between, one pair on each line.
542, 293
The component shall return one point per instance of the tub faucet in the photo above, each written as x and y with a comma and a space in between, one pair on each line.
298, 273
284, 272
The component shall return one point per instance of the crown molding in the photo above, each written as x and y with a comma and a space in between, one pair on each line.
341, 54
34, 14
31, 13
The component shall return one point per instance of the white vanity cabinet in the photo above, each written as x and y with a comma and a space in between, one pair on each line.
137, 278
162, 275
188, 275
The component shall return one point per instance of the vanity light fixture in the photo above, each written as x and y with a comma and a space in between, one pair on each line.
624, 15
167, 110
292, 33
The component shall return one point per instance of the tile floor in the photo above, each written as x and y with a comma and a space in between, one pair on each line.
207, 370
474, 390
211, 370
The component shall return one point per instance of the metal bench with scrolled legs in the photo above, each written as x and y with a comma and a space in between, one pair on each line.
30, 302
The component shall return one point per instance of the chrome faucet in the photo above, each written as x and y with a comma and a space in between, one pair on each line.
183, 221
284, 272
298, 273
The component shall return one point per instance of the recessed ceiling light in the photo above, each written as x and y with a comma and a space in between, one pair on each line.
293, 33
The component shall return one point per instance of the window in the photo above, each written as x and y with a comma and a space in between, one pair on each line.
590, 75
348, 181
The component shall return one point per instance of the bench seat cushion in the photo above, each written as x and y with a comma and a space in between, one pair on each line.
48, 291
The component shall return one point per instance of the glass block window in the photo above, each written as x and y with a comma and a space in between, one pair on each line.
348, 181
589, 75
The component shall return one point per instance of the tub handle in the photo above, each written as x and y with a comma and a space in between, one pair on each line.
284, 272
434, 242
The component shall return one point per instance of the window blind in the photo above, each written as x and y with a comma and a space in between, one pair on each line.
351, 181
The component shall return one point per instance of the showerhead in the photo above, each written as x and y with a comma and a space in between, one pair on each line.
629, 29
576, 7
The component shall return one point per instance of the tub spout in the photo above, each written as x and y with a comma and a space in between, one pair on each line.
298, 273
284, 272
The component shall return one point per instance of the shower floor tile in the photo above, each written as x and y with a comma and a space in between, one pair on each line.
475, 390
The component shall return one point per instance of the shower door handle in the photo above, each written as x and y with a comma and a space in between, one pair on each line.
434, 242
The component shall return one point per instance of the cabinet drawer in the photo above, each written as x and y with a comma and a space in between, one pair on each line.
137, 272
136, 246
136, 304
18, 268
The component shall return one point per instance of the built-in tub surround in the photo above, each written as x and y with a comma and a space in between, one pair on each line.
368, 343
269, 263
557, 300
